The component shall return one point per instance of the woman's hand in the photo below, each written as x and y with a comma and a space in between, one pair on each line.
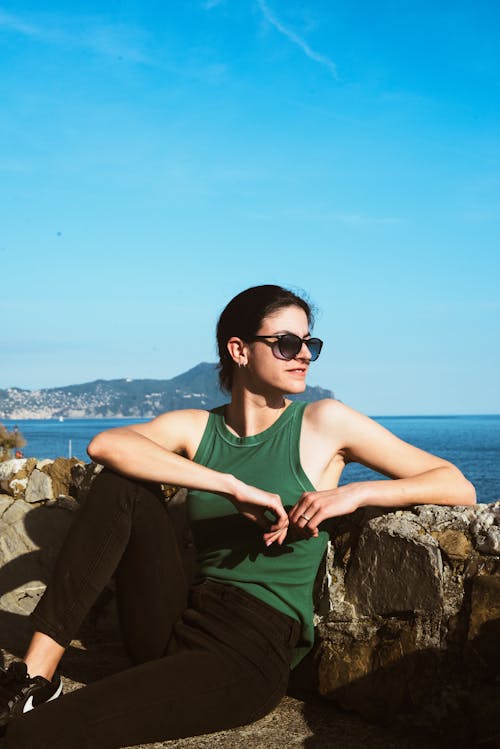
254, 503
314, 507
150, 452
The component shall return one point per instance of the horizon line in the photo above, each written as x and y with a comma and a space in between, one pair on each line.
371, 416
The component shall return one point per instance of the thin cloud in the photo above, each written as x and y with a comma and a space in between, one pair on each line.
9, 22
110, 41
296, 39
106, 40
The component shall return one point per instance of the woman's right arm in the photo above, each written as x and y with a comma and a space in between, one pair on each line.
162, 450
155, 451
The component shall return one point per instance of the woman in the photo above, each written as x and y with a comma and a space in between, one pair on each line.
263, 475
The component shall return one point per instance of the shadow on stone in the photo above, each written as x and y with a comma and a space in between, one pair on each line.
23, 580
411, 696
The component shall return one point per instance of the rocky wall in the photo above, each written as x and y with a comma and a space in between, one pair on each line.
408, 618
407, 601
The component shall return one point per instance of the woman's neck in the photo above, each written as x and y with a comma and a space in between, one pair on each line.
252, 413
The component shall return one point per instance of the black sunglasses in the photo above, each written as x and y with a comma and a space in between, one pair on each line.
287, 345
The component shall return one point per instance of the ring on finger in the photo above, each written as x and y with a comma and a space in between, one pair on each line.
305, 517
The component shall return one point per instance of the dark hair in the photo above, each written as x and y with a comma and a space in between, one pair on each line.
243, 316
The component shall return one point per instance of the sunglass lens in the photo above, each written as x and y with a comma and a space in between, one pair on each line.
314, 345
289, 346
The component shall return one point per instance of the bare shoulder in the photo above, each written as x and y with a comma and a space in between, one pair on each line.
179, 431
341, 427
328, 415
323, 428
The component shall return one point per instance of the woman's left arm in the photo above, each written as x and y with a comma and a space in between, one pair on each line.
419, 477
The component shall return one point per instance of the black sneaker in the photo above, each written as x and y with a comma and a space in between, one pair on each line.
20, 692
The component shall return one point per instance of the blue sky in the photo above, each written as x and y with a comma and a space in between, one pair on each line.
158, 157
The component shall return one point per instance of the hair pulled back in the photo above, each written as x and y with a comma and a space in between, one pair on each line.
243, 316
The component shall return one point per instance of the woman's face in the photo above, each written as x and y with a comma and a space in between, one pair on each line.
265, 368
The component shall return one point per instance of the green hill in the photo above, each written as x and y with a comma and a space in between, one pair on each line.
196, 388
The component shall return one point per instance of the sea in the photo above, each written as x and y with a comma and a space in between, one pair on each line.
471, 442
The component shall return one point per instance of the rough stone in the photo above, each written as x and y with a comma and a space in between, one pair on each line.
82, 475
13, 544
454, 543
378, 666
41, 464
488, 542
16, 512
39, 487
30, 538
19, 480
8, 468
483, 652
15, 476
59, 471
485, 528
18, 486
485, 603
345, 654
396, 568
5, 503
440, 517
453, 589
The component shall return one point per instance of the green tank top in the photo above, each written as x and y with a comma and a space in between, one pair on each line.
230, 547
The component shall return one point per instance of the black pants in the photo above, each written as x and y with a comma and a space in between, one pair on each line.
207, 657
